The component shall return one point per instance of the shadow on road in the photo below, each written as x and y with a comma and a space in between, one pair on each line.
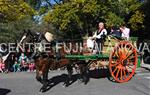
61, 79
101, 73
97, 74
4, 91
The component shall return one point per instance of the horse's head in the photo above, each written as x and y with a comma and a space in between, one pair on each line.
32, 37
28, 37
36, 40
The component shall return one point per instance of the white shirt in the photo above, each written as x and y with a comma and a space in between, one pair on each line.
90, 43
125, 33
104, 31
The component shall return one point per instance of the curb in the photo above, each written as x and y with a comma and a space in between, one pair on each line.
146, 66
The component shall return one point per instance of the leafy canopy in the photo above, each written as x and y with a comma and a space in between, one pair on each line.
12, 10
83, 15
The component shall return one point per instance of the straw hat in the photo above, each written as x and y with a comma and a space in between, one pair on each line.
48, 36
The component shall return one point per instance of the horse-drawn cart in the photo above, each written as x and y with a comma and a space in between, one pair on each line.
119, 55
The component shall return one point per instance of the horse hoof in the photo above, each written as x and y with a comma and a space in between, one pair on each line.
43, 89
64, 85
79, 81
85, 83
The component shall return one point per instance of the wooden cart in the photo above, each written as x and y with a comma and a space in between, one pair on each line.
119, 55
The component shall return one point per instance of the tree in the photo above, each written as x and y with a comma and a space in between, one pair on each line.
146, 9
79, 17
15, 15
35, 4
12, 31
127, 12
12, 10
75, 16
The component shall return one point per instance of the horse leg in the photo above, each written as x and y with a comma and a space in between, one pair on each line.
84, 72
41, 72
45, 78
45, 81
39, 76
70, 71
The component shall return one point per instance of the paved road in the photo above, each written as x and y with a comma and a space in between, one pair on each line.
24, 83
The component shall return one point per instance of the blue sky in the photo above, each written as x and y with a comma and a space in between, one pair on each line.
52, 1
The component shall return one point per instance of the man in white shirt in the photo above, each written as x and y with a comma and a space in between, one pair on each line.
125, 32
100, 32
100, 35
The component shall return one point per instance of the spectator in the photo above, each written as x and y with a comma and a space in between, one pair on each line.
22, 61
115, 31
10, 62
2, 65
125, 32
24, 66
16, 66
22, 57
31, 66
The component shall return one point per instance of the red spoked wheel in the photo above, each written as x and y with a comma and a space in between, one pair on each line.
123, 62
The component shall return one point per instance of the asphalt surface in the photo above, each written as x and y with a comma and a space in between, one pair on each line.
24, 83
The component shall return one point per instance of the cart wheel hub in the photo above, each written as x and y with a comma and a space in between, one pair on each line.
125, 63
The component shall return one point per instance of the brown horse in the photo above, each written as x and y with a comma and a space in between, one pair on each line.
53, 59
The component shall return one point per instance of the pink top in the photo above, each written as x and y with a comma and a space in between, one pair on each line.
126, 33
2, 65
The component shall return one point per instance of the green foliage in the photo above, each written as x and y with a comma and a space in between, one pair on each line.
136, 21
42, 10
146, 9
113, 20
15, 15
34, 3
75, 18
84, 15
12, 31
13, 10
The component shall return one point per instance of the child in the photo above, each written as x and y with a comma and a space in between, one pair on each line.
31, 66
16, 65
2, 65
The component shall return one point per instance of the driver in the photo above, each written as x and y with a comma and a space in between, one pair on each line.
99, 36
100, 33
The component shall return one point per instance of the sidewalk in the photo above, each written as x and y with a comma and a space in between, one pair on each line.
146, 66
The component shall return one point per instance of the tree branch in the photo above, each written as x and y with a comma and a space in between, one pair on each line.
47, 1
56, 2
